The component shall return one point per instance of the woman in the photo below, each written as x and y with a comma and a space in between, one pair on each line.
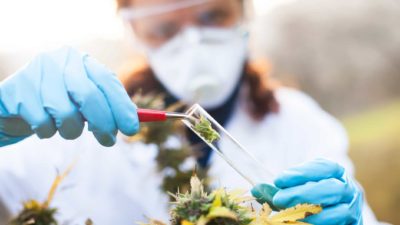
197, 53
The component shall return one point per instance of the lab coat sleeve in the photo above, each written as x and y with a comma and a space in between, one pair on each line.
327, 138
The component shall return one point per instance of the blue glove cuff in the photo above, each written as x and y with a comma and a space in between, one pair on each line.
264, 193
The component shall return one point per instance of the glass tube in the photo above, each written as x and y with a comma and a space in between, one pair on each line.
236, 156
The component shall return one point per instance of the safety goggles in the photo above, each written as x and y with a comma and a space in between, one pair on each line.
156, 24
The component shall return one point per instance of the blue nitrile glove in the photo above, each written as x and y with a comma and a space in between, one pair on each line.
59, 91
319, 182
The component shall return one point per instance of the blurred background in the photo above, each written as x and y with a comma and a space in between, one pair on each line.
344, 53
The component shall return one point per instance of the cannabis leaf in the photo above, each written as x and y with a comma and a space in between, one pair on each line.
204, 129
287, 216
298, 212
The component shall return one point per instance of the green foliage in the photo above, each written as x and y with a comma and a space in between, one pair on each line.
197, 207
374, 134
154, 132
36, 214
204, 128
217, 208
381, 124
168, 159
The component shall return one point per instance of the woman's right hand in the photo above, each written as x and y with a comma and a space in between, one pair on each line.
59, 91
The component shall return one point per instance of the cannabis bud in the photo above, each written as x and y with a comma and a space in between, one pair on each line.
35, 213
204, 129
219, 207
223, 207
40, 213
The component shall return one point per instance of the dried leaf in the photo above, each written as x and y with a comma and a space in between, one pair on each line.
239, 196
57, 181
287, 216
34, 212
88, 222
196, 187
296, 213
152, 222
265, 211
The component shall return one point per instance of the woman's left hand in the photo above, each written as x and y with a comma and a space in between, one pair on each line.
320, 182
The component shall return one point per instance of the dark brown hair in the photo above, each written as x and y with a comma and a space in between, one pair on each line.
260, 98
258, 94
123, 3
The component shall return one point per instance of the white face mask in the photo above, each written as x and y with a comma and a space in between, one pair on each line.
201, 65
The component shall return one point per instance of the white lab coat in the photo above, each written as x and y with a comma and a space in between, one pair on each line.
120, 185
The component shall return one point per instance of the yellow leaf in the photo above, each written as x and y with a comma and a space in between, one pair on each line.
152, 222
202, 221
239, 196
185, 222
157, 222
217, 200
293, 214
237, 193
196, 186
56, 183
263, 216
221, 212
265, 211
287, 216
32, 205
260, 221
285, 223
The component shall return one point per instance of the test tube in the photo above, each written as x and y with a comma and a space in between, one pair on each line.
241, 160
